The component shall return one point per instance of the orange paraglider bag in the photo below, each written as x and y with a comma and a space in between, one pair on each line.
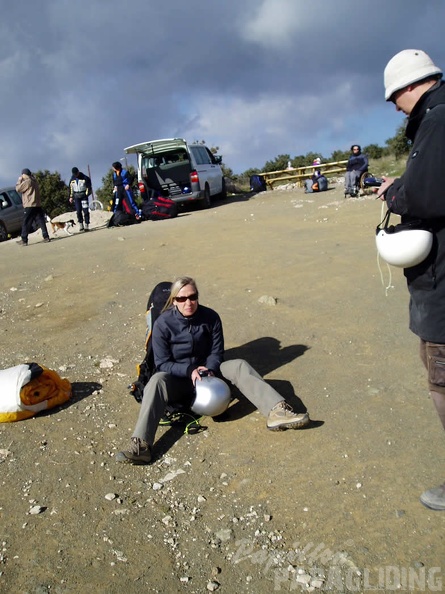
28, 389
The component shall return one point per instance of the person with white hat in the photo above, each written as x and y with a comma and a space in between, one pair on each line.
414, 84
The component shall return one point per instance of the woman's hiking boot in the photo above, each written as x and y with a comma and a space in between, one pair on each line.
282, 416
138, 453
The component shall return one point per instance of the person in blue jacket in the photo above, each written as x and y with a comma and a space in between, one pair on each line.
123, 194
187, 341
357, 164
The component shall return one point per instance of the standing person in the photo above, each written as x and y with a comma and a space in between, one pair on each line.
80, 189
413, 83
187, 341
356, 165
123, 194
28, 187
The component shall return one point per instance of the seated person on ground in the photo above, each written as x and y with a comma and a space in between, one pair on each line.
187, 342
317, 183
357, 164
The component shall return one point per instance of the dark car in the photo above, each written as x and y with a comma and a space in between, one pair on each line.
11, 212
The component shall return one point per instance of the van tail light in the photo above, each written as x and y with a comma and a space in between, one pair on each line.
141, 187
194, 177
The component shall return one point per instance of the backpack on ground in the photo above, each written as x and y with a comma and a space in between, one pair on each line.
322, 183
156, 302
257, 183
159, 208
121, 218
173, 415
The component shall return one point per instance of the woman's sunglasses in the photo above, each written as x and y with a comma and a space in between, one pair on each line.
192, 297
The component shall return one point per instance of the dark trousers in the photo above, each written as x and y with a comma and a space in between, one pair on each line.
82, 209
433, 357
31, 214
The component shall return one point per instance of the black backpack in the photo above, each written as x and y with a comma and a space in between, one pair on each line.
159, 208
156, 302
121, 218
257, 183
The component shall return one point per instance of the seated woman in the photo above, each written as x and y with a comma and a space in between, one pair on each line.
188, 340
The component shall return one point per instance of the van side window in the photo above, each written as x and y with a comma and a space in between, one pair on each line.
201, 155
210, 155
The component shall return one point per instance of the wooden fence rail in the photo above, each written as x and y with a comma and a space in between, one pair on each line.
299, 174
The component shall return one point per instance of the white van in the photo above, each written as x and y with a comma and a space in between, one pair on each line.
183, 172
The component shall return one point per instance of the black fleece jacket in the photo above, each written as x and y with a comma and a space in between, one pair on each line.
181, 344
420, 194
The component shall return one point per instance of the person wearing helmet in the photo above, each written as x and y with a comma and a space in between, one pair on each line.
356, 165
414, 84
188, 346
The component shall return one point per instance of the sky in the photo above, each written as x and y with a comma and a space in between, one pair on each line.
83, 79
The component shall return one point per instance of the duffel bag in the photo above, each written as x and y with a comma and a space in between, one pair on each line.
159, 208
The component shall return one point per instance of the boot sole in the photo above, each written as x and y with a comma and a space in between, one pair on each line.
123, 458
285, 426
432, 506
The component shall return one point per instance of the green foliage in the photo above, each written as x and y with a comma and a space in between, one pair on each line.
227, 172
388, 165
105, 192
339, 155
374, 151
399, 144
54, 193
278, 164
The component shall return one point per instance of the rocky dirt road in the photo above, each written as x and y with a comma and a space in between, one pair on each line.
234, 508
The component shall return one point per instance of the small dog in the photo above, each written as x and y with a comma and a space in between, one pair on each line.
61, 225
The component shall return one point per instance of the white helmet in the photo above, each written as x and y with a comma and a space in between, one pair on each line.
401, 245
405, 68
212, 396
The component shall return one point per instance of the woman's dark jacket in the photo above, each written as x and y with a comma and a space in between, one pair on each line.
420, 194
181, 344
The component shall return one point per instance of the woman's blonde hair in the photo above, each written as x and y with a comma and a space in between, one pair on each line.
177, 285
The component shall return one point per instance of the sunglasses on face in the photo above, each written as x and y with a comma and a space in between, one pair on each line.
183, 299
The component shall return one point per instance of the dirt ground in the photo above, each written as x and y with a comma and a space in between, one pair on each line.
334, 507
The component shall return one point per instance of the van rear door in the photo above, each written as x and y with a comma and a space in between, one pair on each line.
208, 170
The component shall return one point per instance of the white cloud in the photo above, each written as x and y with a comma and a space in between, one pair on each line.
256, 77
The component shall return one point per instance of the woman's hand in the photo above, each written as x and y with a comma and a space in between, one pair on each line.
196, 373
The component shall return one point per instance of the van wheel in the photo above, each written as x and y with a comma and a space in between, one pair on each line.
3, 232
205, 202
223, 194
